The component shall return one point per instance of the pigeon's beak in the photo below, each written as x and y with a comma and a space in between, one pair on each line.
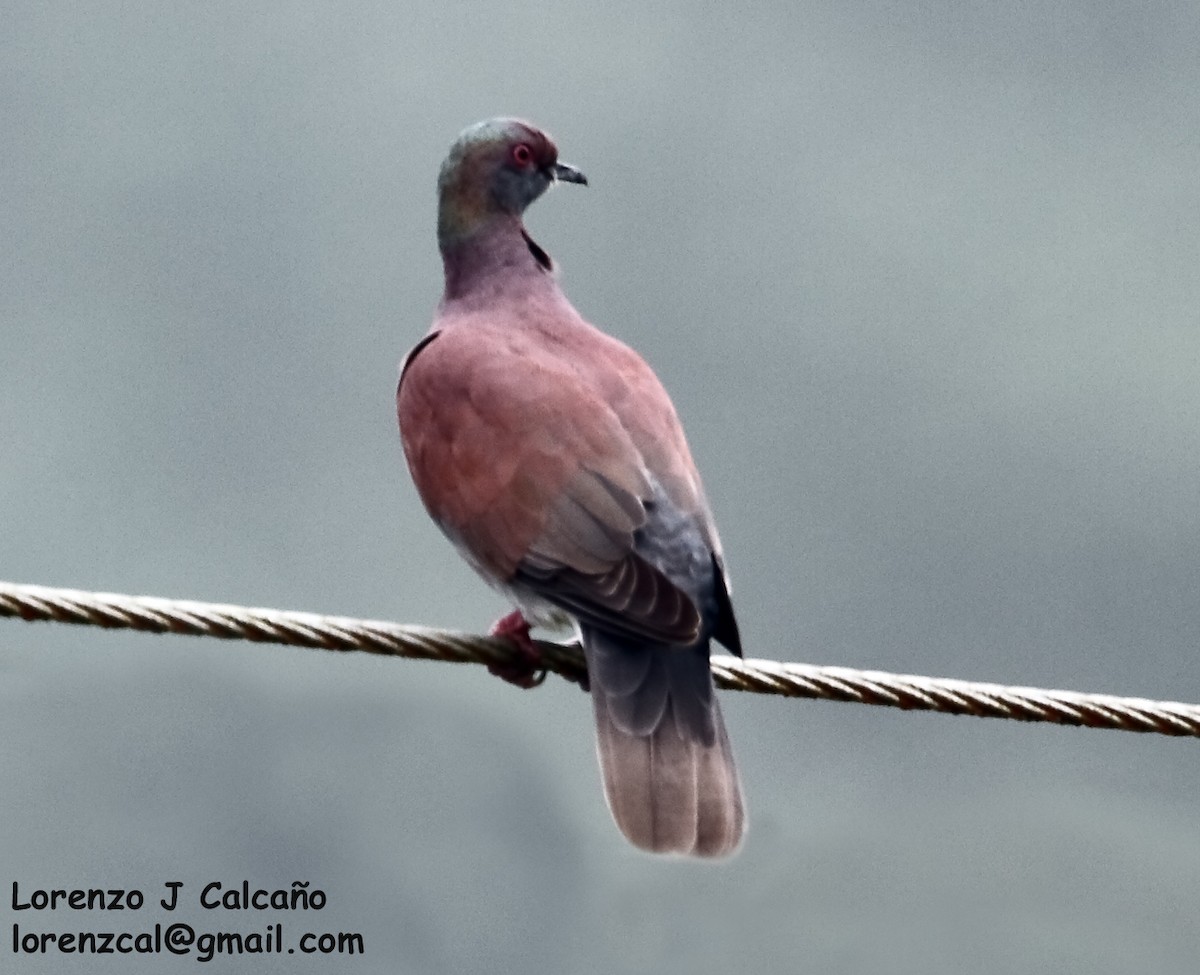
567, 174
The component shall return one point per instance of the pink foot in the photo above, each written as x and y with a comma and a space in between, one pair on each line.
526, 670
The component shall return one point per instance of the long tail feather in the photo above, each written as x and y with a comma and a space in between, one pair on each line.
668, 770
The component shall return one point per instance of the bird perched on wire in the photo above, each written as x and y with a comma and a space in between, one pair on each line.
551, 456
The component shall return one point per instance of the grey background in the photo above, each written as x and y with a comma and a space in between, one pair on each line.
923, 281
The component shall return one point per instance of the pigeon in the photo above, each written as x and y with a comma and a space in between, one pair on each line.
550, 455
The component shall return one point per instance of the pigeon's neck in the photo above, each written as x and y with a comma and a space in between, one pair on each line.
499, 256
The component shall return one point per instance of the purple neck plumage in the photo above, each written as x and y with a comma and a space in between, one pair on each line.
498, 255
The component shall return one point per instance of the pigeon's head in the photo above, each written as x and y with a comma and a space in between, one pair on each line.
494, 169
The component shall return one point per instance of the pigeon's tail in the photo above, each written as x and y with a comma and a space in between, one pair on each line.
668, 769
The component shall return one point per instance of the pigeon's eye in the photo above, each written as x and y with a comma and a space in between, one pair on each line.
522, 155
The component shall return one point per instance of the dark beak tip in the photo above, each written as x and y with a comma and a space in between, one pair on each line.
569, 174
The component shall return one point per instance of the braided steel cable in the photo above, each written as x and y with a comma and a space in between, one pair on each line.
905, 691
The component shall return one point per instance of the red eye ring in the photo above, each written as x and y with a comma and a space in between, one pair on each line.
522, 155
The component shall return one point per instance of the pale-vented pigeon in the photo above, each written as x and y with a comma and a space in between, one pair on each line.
551, 456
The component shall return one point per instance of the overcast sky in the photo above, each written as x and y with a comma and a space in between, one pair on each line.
924, 283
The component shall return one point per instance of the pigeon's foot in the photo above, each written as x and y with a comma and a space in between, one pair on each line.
525, 670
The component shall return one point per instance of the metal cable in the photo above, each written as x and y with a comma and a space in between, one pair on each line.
908, 692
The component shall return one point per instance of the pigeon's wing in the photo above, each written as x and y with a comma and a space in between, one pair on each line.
524, 462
